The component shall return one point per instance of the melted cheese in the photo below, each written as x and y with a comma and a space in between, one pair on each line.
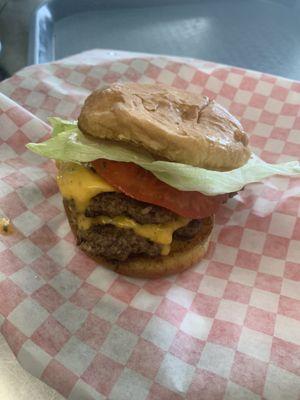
158, 233
80, 184
165, 249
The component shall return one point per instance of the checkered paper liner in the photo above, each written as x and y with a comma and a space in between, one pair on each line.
229, 328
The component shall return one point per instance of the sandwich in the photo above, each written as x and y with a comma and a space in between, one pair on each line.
143, 171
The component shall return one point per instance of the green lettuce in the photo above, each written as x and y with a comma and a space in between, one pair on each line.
69, 144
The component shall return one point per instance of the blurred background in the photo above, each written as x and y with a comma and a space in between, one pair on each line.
14, 28
256, 34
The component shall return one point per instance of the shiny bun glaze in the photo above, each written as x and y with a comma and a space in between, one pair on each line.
171, 124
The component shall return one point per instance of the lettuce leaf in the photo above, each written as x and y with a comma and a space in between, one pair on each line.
61, 125
69, 144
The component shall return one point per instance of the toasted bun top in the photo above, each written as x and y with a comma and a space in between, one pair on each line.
170, 123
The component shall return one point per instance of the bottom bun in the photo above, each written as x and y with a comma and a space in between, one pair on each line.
183, 255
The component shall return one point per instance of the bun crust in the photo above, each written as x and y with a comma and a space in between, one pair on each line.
172, 124
183, 255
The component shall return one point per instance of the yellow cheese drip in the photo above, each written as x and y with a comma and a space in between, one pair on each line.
165, 250
158, 233
80, 184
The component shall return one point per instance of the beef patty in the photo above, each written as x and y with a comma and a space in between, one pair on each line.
116, 243
115, 203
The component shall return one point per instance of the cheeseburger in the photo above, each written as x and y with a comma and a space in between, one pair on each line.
143, 172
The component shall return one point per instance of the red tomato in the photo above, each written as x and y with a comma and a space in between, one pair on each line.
142, 185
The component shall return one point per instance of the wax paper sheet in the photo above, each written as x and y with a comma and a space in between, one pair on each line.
18, 384
229, 328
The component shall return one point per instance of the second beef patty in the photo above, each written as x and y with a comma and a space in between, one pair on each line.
116, 243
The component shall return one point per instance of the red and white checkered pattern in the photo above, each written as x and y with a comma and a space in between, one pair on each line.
227, 329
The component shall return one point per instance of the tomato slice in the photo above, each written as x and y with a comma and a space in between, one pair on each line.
142, 185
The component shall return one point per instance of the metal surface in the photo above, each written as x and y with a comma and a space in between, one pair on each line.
258, 34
